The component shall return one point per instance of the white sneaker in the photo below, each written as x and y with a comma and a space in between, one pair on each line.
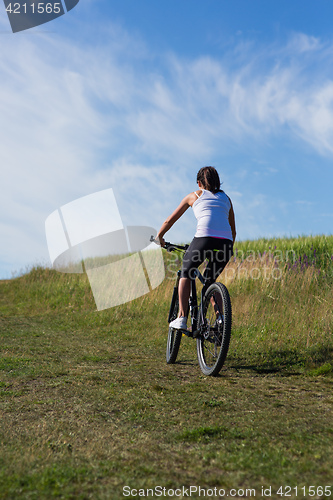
179, 323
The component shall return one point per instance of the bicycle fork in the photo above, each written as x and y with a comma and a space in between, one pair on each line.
174, 297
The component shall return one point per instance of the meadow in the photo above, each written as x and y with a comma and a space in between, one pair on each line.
90, 410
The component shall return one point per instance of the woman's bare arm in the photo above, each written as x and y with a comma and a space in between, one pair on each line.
169, 222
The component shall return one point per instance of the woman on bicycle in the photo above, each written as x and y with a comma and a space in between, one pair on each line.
214, 237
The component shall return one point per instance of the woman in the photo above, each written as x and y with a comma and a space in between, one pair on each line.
214, 237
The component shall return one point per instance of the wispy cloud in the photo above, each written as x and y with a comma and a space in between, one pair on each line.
76, 120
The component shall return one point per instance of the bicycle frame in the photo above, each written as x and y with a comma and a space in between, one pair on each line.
210, 321
197, 321
193, 302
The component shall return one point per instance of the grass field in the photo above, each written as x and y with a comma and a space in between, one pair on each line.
89, 406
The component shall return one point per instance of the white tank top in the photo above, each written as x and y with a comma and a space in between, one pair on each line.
212, 213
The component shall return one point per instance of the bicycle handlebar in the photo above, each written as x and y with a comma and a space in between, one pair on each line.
171, 247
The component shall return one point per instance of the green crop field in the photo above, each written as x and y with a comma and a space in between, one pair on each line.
90, 409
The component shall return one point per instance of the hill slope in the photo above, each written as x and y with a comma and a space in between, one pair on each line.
89, 406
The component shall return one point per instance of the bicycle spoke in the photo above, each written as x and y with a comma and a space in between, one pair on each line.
213, 345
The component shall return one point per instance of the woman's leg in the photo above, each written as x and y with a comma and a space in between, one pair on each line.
184, 295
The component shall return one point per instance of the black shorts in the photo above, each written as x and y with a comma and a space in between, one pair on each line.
218, 251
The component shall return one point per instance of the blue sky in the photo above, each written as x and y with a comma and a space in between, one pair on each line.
137, 96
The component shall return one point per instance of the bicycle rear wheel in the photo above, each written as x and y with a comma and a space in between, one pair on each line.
174, 336
213, 343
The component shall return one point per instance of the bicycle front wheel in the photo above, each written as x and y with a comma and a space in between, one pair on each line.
213, 343
174, 336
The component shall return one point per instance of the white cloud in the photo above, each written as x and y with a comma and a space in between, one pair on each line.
76, 120
294, 95
301, 42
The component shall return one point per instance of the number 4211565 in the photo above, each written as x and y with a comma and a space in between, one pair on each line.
305, 491
34, 8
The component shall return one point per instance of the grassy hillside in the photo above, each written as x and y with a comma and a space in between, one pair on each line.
88, 404
304, 250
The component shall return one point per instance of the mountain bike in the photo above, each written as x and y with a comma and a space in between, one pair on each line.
210, 321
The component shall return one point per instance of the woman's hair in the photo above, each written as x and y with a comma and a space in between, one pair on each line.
210, 179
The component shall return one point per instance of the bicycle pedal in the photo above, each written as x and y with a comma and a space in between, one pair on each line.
187, 333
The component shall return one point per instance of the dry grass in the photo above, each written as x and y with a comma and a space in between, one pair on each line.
88, 404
